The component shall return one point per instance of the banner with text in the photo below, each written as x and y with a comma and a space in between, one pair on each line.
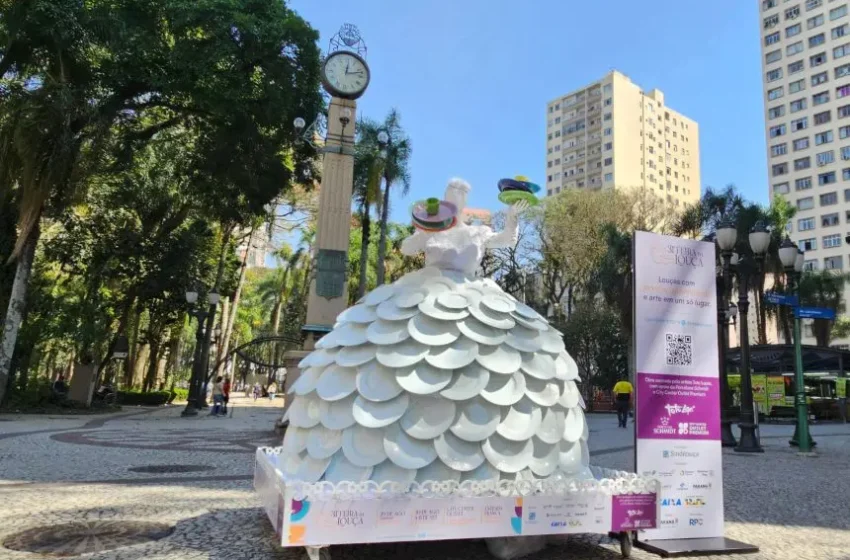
677, 385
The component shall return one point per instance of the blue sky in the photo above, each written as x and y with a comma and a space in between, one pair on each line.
471, 78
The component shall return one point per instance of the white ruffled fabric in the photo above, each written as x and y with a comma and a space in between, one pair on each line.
439, 376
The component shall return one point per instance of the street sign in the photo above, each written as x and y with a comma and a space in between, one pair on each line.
781, 299
815, 313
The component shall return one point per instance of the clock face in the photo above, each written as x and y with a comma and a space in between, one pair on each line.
345, 75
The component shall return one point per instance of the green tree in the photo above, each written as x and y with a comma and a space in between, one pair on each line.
823, 288
368, 170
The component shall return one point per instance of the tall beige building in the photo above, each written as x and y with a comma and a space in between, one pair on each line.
612, 133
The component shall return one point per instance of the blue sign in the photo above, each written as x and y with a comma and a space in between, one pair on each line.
815, 313
781, 299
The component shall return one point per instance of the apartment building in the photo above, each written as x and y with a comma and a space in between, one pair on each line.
806, 75
611, 133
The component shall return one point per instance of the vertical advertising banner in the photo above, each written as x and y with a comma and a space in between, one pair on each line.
677, 384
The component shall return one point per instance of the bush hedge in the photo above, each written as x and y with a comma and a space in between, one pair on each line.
153, 398
179, 395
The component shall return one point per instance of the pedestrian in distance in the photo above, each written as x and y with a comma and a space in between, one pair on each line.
218, 397
256, 391
225, 387
272, 390
622, 401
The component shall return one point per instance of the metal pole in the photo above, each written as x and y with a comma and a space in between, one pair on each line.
192, 404
205, 358
727, 438
748, 443
802, 437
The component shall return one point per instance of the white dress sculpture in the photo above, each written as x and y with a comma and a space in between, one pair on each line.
438, 376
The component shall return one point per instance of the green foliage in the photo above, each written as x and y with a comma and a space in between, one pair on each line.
138, 398
823, 288
179, 395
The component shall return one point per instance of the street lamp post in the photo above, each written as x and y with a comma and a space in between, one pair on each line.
726, 237
792, 259
196, 380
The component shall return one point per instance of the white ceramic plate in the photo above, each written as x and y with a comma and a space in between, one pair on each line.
423, 378
458, 454
523, 339
567, 366
337, 415
340, 469
472, 293
306, 382
432, 332
402, 355
539, 365
476, 420
536, 325
353, 356
383, 332
440, 285
322, 442
498, 320
336, 383
389, 311
551, 342
410, 297
311, 469
544, 458
295, 440
372, 414
484, 472
319, 358
504, 390
574, 425
551, 427
437, 471
431, 308
363, 447
377, 383
499, 359
467, 382
304, 411
289, 464
456, 355
506, 455
428, 417
569, 456
351, 334
498, 303
527, 312
520, 421
581, 402
570, 396
543, 393
358, 314
379, 294
328, 341
452, 300
390, 472
407, 452
481, 333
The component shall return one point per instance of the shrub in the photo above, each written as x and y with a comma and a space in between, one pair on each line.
153, 398
179, 395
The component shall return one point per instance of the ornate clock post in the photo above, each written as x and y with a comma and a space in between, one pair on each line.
345, 76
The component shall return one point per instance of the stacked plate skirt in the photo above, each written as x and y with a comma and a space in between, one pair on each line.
439, 376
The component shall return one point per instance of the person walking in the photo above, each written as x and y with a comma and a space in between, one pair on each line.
225, 387
622, 401
256, 391
272, 390
218, 397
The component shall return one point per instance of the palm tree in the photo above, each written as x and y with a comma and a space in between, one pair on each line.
823, 288
368, 169
396, 171
291, 261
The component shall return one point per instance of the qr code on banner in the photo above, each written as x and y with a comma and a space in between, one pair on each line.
680, 350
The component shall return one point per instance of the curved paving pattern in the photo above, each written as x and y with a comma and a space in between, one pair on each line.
86, 537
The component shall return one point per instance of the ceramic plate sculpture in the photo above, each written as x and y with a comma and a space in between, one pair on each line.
440, 375
516, 189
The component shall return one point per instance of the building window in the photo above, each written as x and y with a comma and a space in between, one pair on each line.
844, 111
842, 91
830, 241
828, 199
779, 169
817, 40
794, 48
606, 117
817, 59
815, 21
774, 75
847, 199
820, 98
795, 29
838, 12
805, 224
842, 71
802, 163
772, 113
806, 203
841, 51
810, 244
775, 93
841, 31
799, 85
606, 132
773, 56
845, 153
844, 132
803, 184
797, 105
819, 79
829, 220
823, 138
779, 150
795, 67
772, 39
825, 158
801, 144
845, 174
608, 161
799, 124
812, 4
609, 177
781, 188
775, 131
833, 263
792, 13
826, 178
608, 146
823, 118
810, 265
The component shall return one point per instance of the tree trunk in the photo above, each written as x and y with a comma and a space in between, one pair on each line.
133, 354
16, 309
224, 345
281, 297
382, 240
139, 366
365, 226
153, 365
